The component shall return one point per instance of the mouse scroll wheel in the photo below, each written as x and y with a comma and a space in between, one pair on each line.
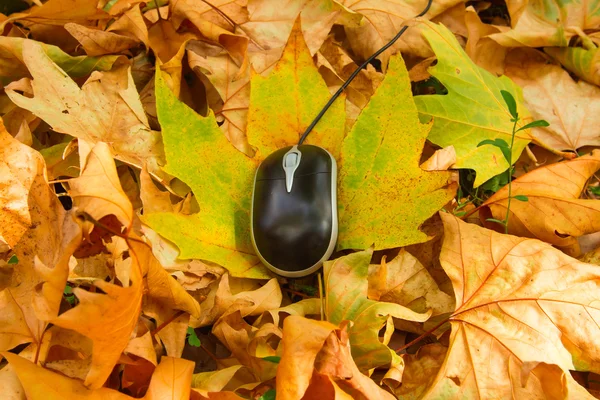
291, 160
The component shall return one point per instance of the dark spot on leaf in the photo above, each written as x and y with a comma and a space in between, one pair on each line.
65, 111
457, 71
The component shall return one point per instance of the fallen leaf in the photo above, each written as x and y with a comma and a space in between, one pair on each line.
56, 12
166, 41
420, 370
405, 281
524, 312
346, 286
42, 235
441, 160
583, 62
225, 220
473, 109
97, 191
550, 93
538, 24
213, 381
285, 102
553, 211
131, 23
42, 384
171, 379
97, 42
383, 20
117, 307
106, 109
387, 135
250, 302
249, 345
234, 90
484, 51
13, 65
318, 347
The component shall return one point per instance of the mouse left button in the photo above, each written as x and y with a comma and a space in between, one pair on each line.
291, 160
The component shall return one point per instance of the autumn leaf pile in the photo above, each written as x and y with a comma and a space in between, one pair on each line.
130, 133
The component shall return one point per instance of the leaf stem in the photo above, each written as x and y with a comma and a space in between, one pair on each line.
512, 142
167, 322
423, 336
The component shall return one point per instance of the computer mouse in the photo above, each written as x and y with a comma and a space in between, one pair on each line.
294, 224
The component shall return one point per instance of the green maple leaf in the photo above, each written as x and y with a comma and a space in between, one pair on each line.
346, 286
383, 193
473, 110
221, 178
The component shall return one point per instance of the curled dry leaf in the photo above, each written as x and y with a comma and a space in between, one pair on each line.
441, 160
97, 42
484, 51
583, 62
383, 20
97, 191
106, 109
553, 211
538, 24
346, 286
171, 380
572, 108
42, 235
131, 24
525, 313
316, 363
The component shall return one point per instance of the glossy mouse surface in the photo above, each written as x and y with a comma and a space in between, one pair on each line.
294, 210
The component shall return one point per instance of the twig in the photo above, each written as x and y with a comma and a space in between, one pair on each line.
167, 322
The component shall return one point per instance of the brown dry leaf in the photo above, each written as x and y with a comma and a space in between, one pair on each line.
43, 237
233, 86
572, 108
484, 51
58, 12
97, 191
165, 41
222, 302
131, 24
42, 384
248, 344
118, 308
97, 42
171, 380
106, 109
553, 212
420, 370
383, 20
521, 307
441, 160
320, 348
405, 281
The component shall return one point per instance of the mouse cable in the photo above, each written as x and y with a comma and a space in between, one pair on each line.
356, 72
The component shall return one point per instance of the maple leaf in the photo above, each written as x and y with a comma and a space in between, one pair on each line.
75, 66
316, 360
383, 20
106, 109
538, 23
346, 286
473, 109
42, 235
285, 102
553, 211
583, 62
57, 12
387, 135
572, 108
171, 379
225, 220
525, 312
97, 42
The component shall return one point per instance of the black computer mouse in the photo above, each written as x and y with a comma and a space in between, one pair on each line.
294, 210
